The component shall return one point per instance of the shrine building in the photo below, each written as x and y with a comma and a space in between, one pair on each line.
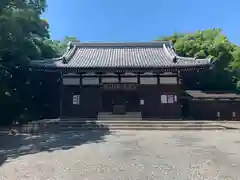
119, 78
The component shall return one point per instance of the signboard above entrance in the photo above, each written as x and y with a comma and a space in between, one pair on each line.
120, 86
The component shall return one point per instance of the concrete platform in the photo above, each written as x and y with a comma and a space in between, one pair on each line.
82, 125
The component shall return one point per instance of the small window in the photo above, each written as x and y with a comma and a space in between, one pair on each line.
164, 99
175, 98
168, 99
142, 102
233, 114
76, 99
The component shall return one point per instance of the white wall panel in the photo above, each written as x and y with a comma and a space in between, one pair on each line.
71, 81
129, 79
148, 80
168, 80
110, 80
90, 80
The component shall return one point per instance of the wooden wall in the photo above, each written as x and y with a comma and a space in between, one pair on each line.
150, 87
91, 101
153, 108
89, 104
208, 109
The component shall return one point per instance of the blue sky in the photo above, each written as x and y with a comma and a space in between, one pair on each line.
140, 20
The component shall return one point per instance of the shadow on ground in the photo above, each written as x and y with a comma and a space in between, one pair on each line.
19, 145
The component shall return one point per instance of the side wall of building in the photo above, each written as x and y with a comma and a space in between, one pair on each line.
214, 109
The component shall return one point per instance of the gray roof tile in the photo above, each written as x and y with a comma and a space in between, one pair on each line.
218, 95
121, 55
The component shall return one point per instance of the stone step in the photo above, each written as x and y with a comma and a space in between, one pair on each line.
125, 125
129, 120
142, 128
149, 124
119, 119
57, 126
134, 122
142, 125
158, 122
126, 114
111, 116
120, 115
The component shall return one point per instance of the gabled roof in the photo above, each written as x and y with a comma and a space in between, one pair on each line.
215, 95
121, 55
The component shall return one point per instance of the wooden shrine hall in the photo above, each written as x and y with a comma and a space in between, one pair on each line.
121, 78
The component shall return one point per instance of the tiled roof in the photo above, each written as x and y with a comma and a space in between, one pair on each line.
121, 55
215, 95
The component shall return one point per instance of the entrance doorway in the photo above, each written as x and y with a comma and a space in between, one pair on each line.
129, 100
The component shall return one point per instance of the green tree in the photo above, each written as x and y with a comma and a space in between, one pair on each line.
22, 32
24, 36
235, 66
210, 43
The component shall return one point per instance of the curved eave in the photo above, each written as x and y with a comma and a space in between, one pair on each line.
172, 54
50, 62
207, 61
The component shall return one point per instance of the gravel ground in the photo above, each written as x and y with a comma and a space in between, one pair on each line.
167, 155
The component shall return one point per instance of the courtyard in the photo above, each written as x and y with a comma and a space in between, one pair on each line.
96, 155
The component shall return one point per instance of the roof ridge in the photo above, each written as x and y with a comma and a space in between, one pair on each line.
120, 44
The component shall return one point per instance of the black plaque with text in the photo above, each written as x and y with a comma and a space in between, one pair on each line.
120, 86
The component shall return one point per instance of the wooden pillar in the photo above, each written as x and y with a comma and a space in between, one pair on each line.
61, 94
80, 76
138, 78
158, 79
119, 78
100, 78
